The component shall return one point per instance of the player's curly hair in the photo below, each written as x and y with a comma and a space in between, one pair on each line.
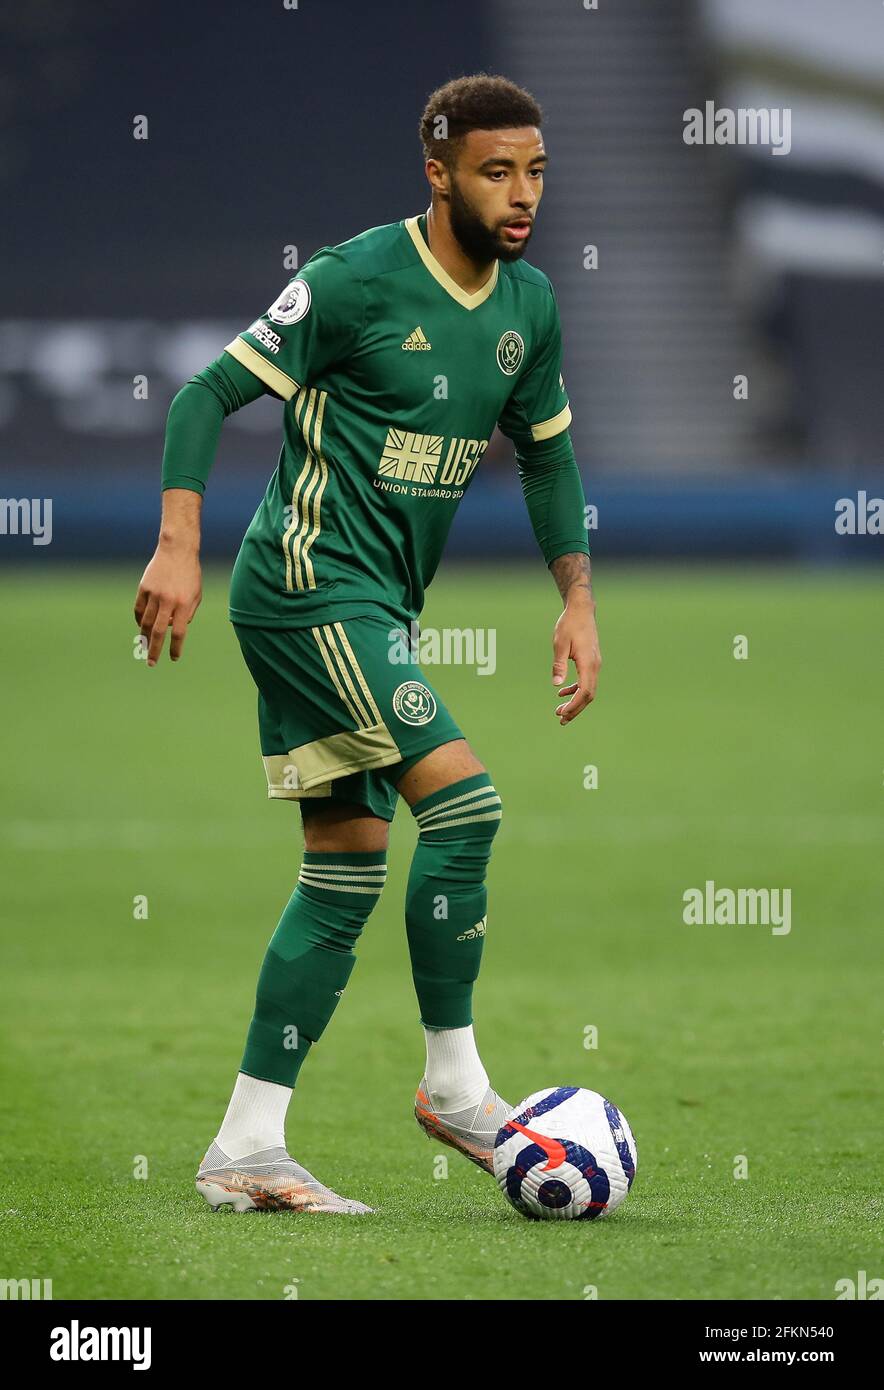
479, 102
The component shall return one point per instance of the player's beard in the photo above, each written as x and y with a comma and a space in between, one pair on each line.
479, 242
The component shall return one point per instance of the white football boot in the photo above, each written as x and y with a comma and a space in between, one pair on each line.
267, 1181
472, 1132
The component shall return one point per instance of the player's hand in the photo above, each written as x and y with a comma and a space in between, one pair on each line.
576, 639
168, 596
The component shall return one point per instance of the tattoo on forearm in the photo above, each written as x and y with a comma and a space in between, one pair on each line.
570, 570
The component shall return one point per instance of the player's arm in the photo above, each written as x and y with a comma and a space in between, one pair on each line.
536, 418
575, 637
171, 586
316, 321
556, 505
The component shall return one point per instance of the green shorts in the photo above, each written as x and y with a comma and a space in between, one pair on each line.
343, 710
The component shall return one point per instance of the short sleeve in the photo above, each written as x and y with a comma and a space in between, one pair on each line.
317, 320
538, 407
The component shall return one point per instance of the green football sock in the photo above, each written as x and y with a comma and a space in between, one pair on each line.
446, 899
309, 960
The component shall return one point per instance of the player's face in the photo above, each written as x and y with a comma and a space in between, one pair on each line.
494, 192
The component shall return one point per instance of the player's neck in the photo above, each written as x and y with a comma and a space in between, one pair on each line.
451, 256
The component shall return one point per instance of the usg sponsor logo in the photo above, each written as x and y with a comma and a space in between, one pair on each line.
76, 1343
409, 457
413, 703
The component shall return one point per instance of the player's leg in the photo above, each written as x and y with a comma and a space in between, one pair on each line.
304, 973
458, 812
311, 954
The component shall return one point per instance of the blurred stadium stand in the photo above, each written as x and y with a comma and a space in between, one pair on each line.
810, 227
127, 259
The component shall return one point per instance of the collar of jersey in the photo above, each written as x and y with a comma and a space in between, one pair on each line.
438, 272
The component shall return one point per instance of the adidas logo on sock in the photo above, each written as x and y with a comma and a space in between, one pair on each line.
478, 930
416, 342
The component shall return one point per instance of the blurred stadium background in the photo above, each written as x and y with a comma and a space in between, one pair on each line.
131, 258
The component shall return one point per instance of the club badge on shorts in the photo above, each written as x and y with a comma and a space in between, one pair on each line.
413, 703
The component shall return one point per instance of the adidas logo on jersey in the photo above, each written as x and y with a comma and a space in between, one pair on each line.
416, 342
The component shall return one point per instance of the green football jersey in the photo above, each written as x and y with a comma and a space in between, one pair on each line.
394, 379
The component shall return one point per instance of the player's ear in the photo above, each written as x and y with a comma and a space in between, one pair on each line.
438, 177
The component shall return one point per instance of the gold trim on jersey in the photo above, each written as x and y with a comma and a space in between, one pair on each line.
469, 301
306, 471
547, 428
307, 492
317, 496
265, 371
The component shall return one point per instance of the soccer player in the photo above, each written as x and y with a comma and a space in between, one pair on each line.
395, 354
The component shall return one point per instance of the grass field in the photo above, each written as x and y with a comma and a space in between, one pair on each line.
122, 1036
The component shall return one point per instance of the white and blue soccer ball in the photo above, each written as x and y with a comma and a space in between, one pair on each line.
565, 1154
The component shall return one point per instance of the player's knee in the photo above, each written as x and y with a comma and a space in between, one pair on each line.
469, 809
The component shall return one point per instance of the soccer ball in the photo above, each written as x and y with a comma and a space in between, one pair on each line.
565, 1155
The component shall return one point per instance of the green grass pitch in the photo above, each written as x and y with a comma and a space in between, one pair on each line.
122, 1036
